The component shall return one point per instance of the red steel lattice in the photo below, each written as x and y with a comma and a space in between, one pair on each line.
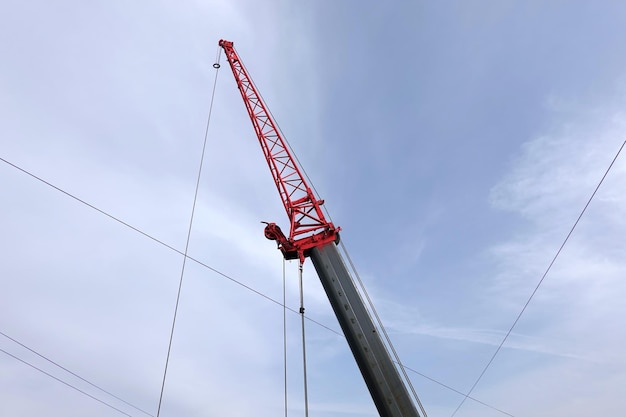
308, 225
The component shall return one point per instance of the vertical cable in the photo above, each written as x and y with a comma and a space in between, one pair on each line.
193, 209
306, 390
285, 333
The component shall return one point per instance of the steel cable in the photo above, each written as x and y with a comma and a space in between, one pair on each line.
193, 209
383, 330
558, 252
66, 383
285, 332
73, 373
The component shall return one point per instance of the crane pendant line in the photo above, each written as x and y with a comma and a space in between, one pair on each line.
308, 225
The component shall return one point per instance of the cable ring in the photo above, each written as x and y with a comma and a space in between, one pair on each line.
216, 65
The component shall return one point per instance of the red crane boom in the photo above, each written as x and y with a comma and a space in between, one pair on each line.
312, 235
308, 225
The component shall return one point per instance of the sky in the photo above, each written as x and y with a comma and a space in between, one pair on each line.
455, 143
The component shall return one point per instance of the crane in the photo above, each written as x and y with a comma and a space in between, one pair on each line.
312, 235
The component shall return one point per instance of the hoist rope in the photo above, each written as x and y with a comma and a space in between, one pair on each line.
193, 209
306, 389
558, 252
285, 333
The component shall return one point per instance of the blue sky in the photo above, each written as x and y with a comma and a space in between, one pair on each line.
455, 143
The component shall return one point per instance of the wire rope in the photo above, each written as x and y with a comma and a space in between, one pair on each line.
65, 383
73, 373
455, 390
193, 209
285, 333
558, 252
164, 244
306, 388
383, 330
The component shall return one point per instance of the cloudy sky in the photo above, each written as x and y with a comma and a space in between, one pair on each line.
454, 142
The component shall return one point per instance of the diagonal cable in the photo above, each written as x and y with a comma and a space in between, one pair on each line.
379, 322
193, 209
73, 373
162, 243
454, 390
65, 383
558, 252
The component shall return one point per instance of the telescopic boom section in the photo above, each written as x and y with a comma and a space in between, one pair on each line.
308, 226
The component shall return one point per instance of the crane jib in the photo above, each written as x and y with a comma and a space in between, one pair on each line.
308, 225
